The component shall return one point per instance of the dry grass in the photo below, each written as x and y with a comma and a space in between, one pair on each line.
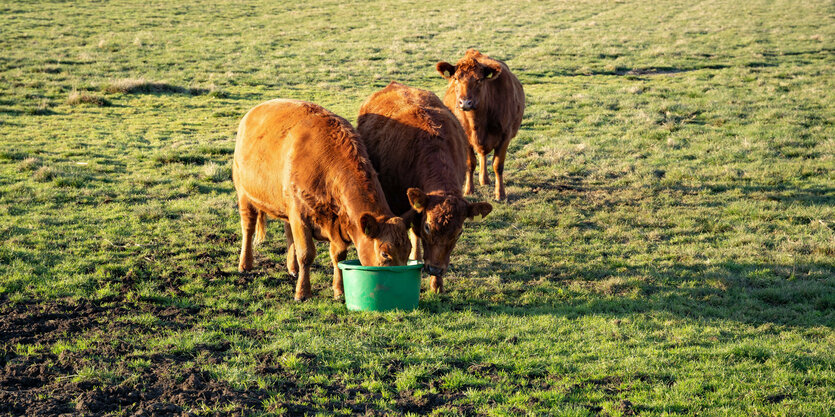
82, 97
30, 164
216, 172
44, 174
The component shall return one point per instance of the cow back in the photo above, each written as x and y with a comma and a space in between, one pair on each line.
294, 155
413, 140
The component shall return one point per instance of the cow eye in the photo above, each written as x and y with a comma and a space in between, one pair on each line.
426, 229
385, 255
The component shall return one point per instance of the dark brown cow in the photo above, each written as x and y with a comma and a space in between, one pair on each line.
489, 102
420, 151
305, 165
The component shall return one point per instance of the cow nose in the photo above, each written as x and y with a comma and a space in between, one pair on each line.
433, 270
465, 104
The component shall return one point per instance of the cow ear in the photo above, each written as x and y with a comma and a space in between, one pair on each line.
397, 221
445, 67
491, 72
478, 210
417, 199
369, 225
411, 218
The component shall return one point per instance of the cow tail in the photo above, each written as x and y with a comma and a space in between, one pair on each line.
260, 228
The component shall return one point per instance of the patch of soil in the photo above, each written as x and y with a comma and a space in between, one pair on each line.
42, 385
425, 404
626, 408
128, 382
47, 384
28, 324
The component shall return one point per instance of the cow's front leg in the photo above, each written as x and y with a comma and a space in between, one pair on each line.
471, 163
248, 218
413, 237
305, 253
498, 168
292, 263
436, 284
482, 169
339, 251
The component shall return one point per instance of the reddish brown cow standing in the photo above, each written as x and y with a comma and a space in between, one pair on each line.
420, 151
489, 102
305, 165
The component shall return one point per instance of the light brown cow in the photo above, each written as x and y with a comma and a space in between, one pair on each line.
305, 165
420, 151
489, 102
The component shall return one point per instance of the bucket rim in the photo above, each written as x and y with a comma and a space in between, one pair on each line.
354, 264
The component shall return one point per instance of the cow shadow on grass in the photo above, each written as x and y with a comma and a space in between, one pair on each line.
531, 77
757, 294
791, 293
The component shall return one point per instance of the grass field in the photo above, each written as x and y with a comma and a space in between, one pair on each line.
667, 246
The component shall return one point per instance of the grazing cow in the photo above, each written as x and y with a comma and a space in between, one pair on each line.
305, 165
420, 151
488, 101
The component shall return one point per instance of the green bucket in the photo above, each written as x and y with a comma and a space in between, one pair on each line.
381, 288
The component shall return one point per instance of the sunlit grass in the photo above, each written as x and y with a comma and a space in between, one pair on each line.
666, 248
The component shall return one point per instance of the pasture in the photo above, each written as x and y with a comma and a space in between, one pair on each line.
667, 246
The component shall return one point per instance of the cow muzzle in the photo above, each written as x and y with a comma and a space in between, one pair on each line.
433, 270
465, 104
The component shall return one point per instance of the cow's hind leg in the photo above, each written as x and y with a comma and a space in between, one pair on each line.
339, 251
249, 217
305, 253
471, 162
292, 263
498, 168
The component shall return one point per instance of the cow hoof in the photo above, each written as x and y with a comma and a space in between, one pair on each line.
300, 299
338, 297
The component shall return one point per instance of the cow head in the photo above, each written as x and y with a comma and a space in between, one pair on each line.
468, 77
439, 221
382, 241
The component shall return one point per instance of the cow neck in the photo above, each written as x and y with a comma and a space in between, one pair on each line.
356, 197
438, 181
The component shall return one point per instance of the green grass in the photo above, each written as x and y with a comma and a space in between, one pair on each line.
667, 248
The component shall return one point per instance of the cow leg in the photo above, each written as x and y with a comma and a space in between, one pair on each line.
482, 169
471, 162
339, 251
305, 253
415, 240
436, 284
249, 216
498, 168
292, 263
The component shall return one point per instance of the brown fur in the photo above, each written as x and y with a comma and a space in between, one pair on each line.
300, 163
498, 102
420, 152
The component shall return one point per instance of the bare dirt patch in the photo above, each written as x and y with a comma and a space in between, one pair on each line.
37, 378
46, 383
